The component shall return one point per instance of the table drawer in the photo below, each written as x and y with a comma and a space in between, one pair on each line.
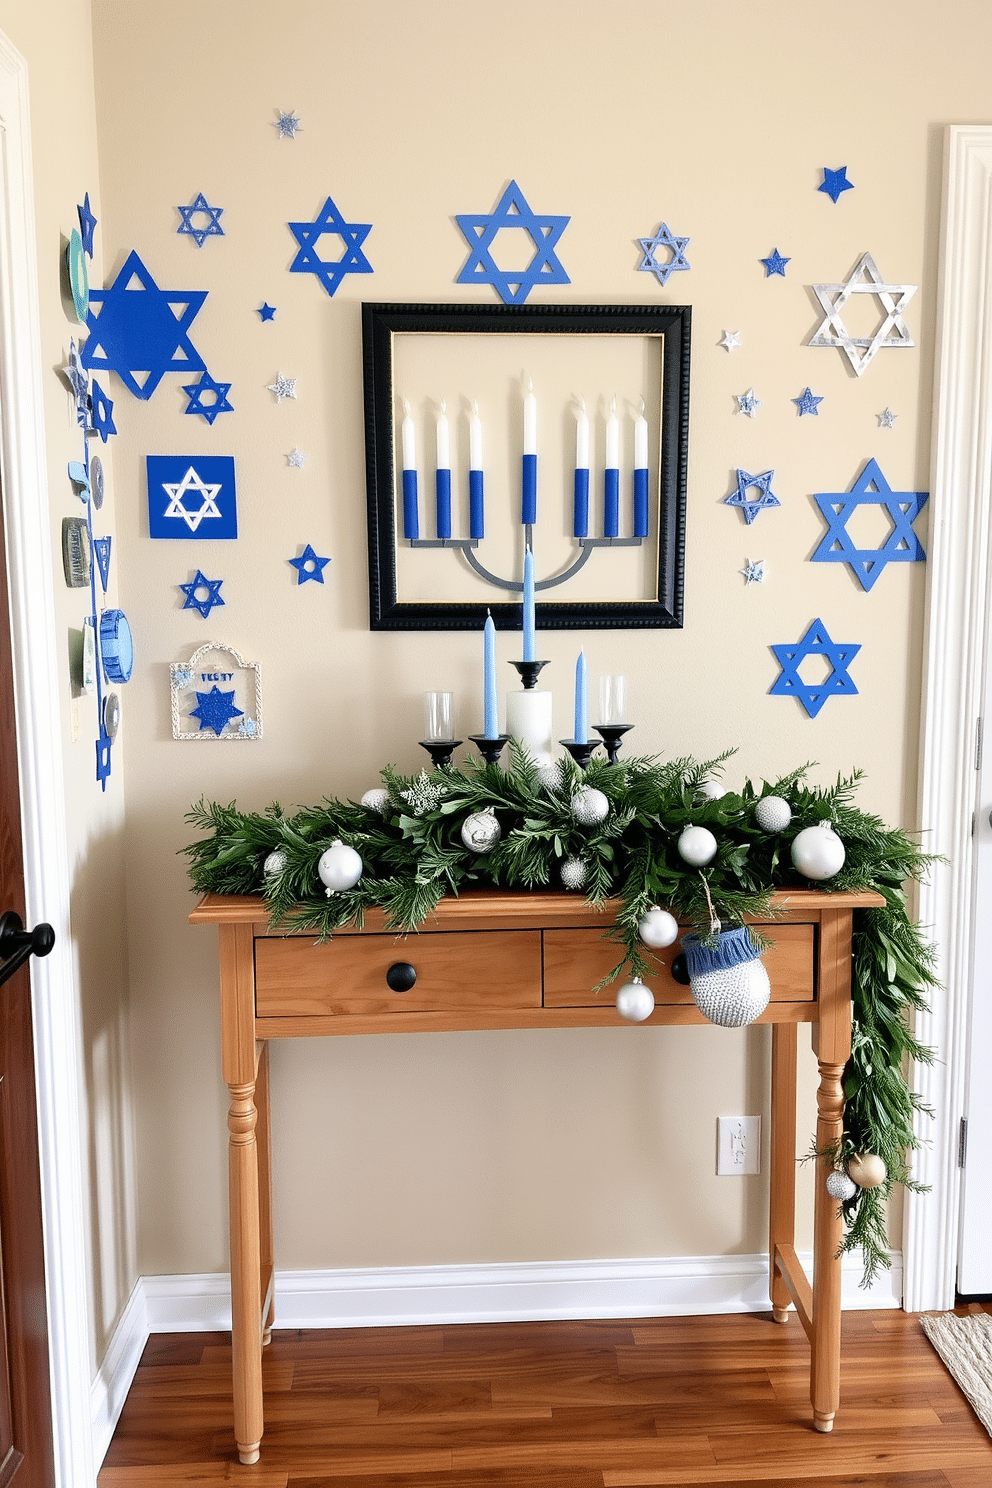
469, 971
575, 960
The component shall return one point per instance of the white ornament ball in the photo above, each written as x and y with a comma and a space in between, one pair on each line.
658, 928
635, 1002
840, 1186
711, 790
733, 996
573, 873
818, 852
589, 806
550, 778
697, 846
275, 862
481, 831
773, 814
867, 1170
376, 799
339, 868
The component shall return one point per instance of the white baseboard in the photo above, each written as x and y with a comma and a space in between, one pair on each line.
435, 1295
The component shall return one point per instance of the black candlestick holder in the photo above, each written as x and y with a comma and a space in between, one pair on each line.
612, 734
490, 749
440, 750
580, 752
529, 672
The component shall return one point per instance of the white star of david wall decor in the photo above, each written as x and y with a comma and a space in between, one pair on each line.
891, 331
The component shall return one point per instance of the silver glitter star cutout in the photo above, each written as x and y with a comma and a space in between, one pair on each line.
892, 330
297, 459
753, 573
283, 387
731, 340
287, 125
886, 419
748, 403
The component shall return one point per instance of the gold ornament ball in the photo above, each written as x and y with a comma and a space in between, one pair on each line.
867, 1170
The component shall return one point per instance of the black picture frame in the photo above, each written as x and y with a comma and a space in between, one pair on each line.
381, 322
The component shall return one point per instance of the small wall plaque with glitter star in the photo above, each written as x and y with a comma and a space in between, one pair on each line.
216, 695
191, 496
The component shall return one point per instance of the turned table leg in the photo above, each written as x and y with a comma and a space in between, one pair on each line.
263, 1138
782, 1183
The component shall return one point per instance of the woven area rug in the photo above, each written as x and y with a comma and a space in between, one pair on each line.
965, 1345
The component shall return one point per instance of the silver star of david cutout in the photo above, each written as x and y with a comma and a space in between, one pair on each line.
191, 482
893, 298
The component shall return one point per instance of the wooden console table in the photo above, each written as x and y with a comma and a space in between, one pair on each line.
543, 953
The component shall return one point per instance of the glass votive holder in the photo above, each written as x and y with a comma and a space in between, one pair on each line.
612, 699
438, 723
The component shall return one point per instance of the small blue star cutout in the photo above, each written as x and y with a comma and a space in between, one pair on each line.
774, 263
210, 590
870, 489
813, 695
761, 483
199, 206
480, 231
748, 403
138, 330
267, 311
807, 402
352, 235
309, 566
217, 390
87, 222
663, 238
834, 182
215, 709
102, 413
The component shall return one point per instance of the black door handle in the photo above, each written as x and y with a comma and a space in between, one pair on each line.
17, 944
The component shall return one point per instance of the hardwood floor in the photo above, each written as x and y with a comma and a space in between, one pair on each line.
702, 1400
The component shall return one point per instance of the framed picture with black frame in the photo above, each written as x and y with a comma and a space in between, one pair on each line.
491, 429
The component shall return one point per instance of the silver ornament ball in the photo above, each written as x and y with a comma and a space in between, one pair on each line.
697, 846
275, 862
589, 806
840, 1186
773, 814
635, 1002
481, 831
818, 853
573, 873
732, 996
658, 928
376, 799
340, 867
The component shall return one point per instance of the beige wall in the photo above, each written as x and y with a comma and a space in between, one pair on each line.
56, 40
715, 118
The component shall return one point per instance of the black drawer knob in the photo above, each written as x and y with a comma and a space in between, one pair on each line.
401, 976
680, 970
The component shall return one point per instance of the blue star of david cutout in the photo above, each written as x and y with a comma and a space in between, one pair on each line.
309, 566
142, 330
102, 413
267, 311
211, 594
87, 222
774, 263
761, 483
199, 206
663, 238
218, 391
834, 182
480, 231
215, 709
807, 402
352, 235
870, 489
813, 695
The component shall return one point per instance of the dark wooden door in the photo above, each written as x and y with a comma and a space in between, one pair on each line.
26, 1455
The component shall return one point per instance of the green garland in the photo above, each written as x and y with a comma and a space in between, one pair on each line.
413, 856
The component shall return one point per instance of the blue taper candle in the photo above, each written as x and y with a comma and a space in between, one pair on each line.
490, 709
581, 704
529, 621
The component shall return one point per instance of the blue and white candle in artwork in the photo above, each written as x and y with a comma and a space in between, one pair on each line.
611, 479
476, 508
580, 510
641, 474
581, 735
490, 726
411, 510
442, 477
528, 513
530, 620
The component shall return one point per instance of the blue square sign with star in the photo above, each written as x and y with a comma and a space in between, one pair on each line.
191, 496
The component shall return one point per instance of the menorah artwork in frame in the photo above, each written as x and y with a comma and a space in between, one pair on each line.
493, 429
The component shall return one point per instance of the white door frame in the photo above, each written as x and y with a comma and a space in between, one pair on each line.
957, 598
58, 1044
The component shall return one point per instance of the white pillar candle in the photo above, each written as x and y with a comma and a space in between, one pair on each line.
409, 439
528, 720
